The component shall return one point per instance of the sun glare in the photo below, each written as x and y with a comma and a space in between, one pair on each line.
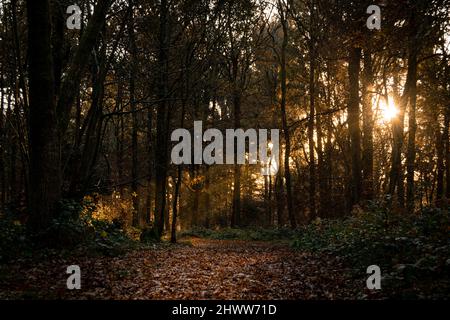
388, 110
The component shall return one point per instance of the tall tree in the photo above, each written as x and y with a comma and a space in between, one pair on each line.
45, 161
134, 131
353, 123
287, 149
413, 48
312, 112
367, 115
162, 118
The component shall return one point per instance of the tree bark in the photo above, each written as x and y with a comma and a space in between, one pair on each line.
118, 135
45, 165
173, 236
236, 210
312, 111
440, 146
279, 196
287, 150
353, 124
162, 121
445, 137
2, 142
148, 214
367, 158
412, 125
321, 170
134, 131
18, 55
396, 172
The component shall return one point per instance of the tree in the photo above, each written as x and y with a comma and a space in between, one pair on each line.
134, 135
45, 161
353, 122
367, 113
162, 118
287, 141
47, 120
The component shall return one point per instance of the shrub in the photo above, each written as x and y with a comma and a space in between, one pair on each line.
410, 248
12, 237
149, 234
73, 227
257, 234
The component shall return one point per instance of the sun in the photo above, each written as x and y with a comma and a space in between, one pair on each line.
388, 110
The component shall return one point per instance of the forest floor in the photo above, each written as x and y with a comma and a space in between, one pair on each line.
193, 269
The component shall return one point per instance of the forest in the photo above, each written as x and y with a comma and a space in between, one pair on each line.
214, 149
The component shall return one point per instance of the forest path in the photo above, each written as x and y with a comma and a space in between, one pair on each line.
232, 269
227, 269
198, 269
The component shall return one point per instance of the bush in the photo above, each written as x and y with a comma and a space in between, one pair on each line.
73, 227
149, 234
66, 230
12, 237
257, 234
410, 248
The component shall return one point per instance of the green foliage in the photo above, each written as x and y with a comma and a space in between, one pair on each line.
12, 237
108, 238
66, 229
149, 235
73, 227
103, 236
196, 232
409, 248
256, 234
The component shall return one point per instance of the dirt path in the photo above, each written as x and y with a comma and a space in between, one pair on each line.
207, 269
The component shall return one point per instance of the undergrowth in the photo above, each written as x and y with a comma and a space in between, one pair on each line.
254, 234
413, 251
74, 229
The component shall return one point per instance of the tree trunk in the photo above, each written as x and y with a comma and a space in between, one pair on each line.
45, 165
409, 94
445, 137
367, 158
287, 150
119, 134
323, 194
2, 142
236, 210
134, 131
148, 215
353, 125
439, 164
312, 98
412, 125
58, 23
173, 236
279, 195
396, 172
329, 166
162, 121
207, 198
18, 56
